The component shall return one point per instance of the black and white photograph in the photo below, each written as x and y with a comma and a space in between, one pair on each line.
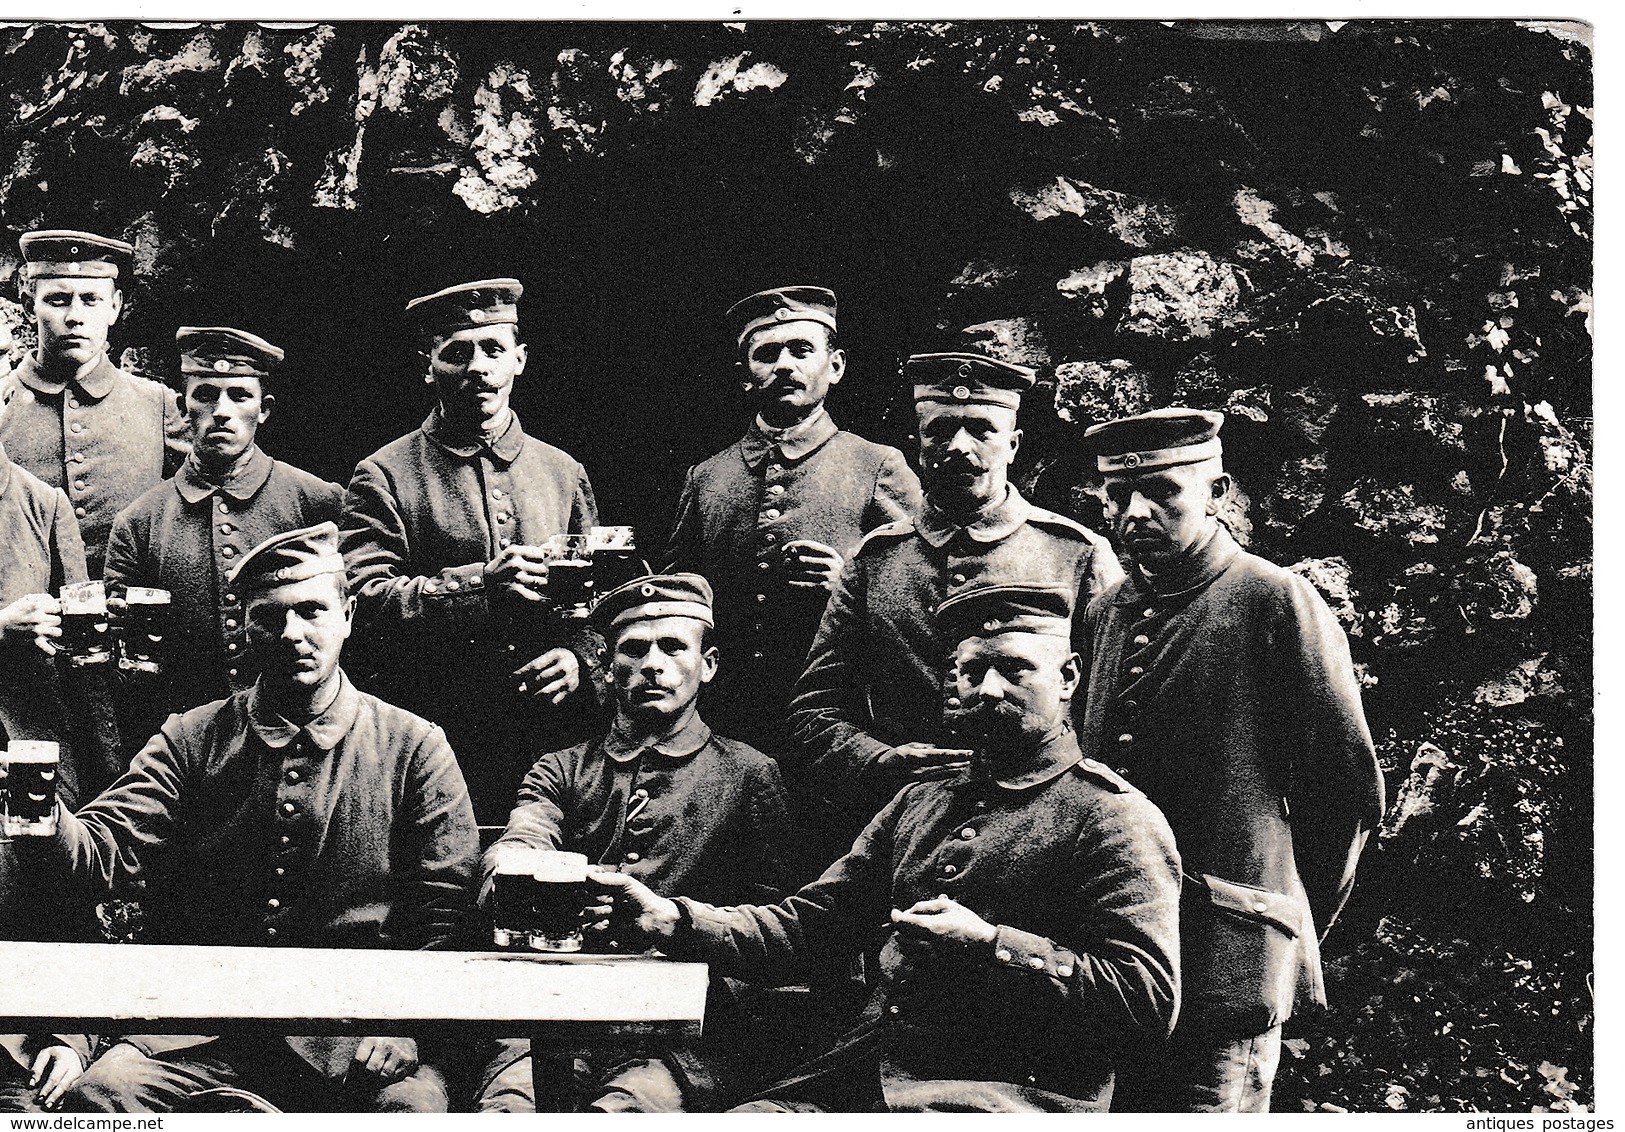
980, 564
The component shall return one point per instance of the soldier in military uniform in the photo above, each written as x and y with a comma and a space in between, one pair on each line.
442, 534
69, 415
662, 798
188, 533
1221, 685
1028, 906
298, 813
868, 713
771, 519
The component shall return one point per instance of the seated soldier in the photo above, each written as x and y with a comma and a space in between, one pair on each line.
1029, 904
660, 798
299, 812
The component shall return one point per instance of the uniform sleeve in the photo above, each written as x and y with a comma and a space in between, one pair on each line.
840, 914
67, 546
766, 875
1335, 787
326, 503
1104, 572
391, 603
583, 504
177, 432
537, 818
436, 853
829, 706
1118, 971
684, 547
122, 565
24, 1048
897, 493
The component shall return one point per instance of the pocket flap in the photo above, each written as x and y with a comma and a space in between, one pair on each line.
1254, 903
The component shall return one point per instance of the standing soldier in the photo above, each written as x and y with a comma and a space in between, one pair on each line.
771, 519
1221, 685
68, 414
188, 533
442, 534
869, 711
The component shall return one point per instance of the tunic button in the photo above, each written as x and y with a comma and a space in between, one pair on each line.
775, 489
764, 565
223, 507
1125, 738
1064, 972
761, 597
756, 656
73, 402
80, 485
640, 793
226, 528
959, 579
231, 597
953, 701
271, 932
1130, 706
894, 1010
293, 776
287, 808
228, 551
273, 904
980, 804
78, 427
1142, 640
1136, 671
231, 672
1036, 963
231, 647
1002, 955
772, 513
1122, 771
77, 458
967, 833
1260, 906
280, 871
632, 858
949, 870
770, 537
231, 622
504, 542
283, 839
79, 511
1151, 613
496, 493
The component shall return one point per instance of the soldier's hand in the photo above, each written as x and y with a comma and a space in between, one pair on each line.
943, 926
391, 1059
117, 607
36, 616
554, 674
54, 1072
623, 899
523, 569
923, 761
811, 565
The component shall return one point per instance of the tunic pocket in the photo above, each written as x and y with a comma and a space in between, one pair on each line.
1243, 953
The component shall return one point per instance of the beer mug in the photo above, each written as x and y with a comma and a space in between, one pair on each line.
84, 623
614, 557
561, 895
28, 770
146, 612
569, 574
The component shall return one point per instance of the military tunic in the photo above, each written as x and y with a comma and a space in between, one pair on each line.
421, 519
878, 675
737, 511
1223, 688
353, 830
185, 536
103, 439
1077, 871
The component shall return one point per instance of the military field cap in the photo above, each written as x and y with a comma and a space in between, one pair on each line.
1162, 438
968, 379
484, 302
226, 352
783, 304
292, 556
62, 254
987, 611
655, 595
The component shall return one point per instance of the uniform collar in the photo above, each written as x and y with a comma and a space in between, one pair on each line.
800, 440
1058, 754
504, 448
1193, 572
325, 732
686, 741
92, 385
994, 522
250, 474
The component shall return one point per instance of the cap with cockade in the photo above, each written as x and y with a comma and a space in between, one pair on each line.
484, 302
292, 556
987, 611
1162, 438
226, 352
967, 379
655, 595
783, 304
62, 254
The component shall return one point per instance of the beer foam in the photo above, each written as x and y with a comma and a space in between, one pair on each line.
35, 751
146, 595
561, 868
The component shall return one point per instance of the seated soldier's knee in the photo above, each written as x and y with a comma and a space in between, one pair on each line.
641, 1086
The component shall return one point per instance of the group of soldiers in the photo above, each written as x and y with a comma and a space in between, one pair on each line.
1036, 832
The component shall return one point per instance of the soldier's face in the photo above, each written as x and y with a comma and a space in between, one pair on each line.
474, 371
74, 317
659, 665
789, 369
1014, 687
1160, 515
965, 452
226, 414
297, 631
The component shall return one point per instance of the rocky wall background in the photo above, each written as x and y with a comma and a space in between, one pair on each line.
1369, 243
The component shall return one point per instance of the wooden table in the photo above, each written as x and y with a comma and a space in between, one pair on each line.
561, 1001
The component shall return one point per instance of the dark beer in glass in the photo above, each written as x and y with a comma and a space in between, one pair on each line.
146, 614
84, 623
28, 769
614, 557
561, 895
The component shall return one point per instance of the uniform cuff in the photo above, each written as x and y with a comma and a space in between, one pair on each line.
1025, 955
